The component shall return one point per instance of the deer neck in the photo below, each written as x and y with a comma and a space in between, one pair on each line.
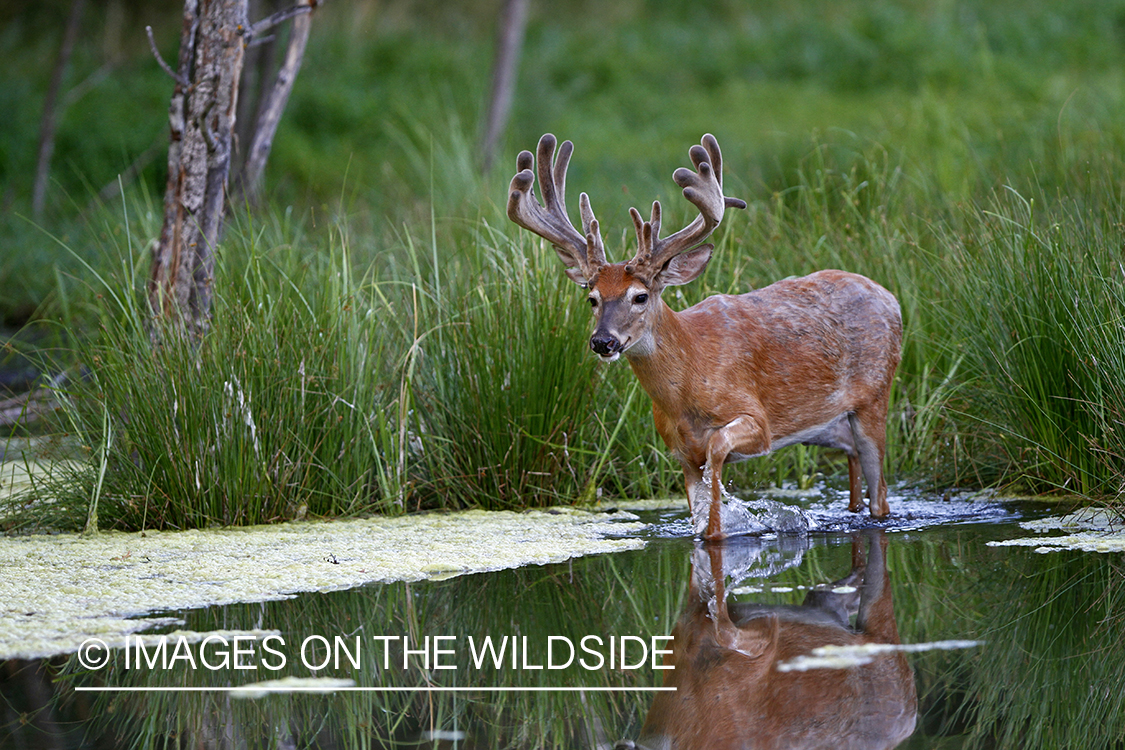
662, 358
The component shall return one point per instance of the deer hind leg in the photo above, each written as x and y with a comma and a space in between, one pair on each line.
876, 608
841, 435
869, 430
855, 484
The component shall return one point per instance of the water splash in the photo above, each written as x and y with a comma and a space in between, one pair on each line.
738, 516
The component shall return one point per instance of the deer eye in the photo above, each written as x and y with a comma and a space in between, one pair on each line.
640, 299
593, 301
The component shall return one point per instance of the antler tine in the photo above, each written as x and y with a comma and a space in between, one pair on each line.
646, 231
549, 220
552, 177
704, 189
595, 248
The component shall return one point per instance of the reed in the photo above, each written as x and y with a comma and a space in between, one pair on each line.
1035, 311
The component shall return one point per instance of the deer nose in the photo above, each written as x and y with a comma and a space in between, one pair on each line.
604, 344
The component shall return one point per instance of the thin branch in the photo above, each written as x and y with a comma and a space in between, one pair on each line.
113, 188
167, 68
280, 17
27, 407
513, 25
260, 40
249, 182
89, 83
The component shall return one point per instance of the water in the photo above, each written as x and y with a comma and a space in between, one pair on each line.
977, 646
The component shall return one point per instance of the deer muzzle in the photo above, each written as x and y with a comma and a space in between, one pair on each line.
605, 345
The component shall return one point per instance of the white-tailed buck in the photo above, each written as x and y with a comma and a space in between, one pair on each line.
739, 677
805, 360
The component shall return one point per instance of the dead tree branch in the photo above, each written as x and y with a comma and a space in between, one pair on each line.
160, 60
513, 24
280, 17
274, 104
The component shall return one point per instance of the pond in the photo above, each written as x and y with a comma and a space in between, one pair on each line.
976, 645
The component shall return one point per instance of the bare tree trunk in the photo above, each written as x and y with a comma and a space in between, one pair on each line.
201, 117
273, 105
50, 111
513, 23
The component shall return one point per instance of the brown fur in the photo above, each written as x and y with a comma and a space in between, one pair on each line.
738, 376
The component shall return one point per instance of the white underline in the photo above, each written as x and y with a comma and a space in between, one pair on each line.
353, 689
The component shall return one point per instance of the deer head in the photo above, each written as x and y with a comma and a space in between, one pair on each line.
624, 296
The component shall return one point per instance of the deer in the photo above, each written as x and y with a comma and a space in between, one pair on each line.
804, 360
737, 667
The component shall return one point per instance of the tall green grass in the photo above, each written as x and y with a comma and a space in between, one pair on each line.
320, 391
1037, 317
284, 410
452, 371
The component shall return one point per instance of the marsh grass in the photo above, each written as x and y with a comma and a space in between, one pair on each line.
320, 392
1038, 321
283, 410
452, 371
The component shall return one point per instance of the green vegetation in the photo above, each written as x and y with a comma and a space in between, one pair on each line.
396, 344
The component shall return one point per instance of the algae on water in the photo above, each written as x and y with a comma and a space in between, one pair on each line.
1091, 530
59, 590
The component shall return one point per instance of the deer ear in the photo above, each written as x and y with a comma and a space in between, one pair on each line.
685, 267
577, 276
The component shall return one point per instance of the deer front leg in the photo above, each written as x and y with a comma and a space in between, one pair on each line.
693, 478
745, 436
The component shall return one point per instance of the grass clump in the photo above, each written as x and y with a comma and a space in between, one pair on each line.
321, 393
283, 410
1037, 318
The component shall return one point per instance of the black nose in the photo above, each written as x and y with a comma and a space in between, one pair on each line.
604, 345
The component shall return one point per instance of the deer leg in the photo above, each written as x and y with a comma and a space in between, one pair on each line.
876, 607
870, 432
855, 484
744, 436
752, 642
693, 477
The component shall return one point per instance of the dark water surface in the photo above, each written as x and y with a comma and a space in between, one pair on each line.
1005, 647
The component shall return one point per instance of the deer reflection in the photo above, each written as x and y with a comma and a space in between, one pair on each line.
731, 692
